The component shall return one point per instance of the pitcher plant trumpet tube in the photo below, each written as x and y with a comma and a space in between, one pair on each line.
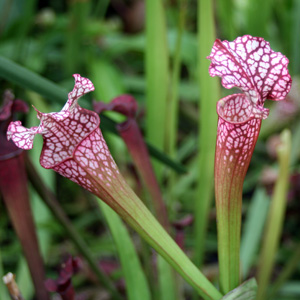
75, 148
249, 64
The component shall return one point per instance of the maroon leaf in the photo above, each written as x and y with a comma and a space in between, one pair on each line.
180, 225
124, 104
13, 188
63, 284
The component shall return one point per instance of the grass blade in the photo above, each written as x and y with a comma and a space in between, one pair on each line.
210, 94
172, 101
136, 283
27, 79
107, 79
157, 75
253, 229
275, 217
108, 85
157, 88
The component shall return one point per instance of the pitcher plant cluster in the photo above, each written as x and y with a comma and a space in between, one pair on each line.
75, 148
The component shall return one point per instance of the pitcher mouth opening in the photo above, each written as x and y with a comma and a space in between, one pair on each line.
235, 109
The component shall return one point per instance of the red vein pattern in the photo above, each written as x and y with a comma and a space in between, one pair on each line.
237, 132
249, 64
132, 136
73, 143
75, 148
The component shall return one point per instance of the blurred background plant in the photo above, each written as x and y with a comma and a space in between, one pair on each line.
155, 51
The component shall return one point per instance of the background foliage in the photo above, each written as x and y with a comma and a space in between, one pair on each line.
153, 55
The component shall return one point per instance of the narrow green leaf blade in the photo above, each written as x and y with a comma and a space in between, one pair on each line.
275, 217
157, 88
27, 79
253, 229
210, 94
166, 279
136, 283
107, 79
157, 75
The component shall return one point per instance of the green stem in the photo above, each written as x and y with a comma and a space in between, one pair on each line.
172, 107
172, 101
136, 283
229, 230
123, 200
157, 81
253, 229
231, 164
134, 141
210, 94
157, 75
275, 218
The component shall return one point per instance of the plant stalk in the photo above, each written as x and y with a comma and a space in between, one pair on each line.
209, 95
275, 218
230, 171
124, 201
